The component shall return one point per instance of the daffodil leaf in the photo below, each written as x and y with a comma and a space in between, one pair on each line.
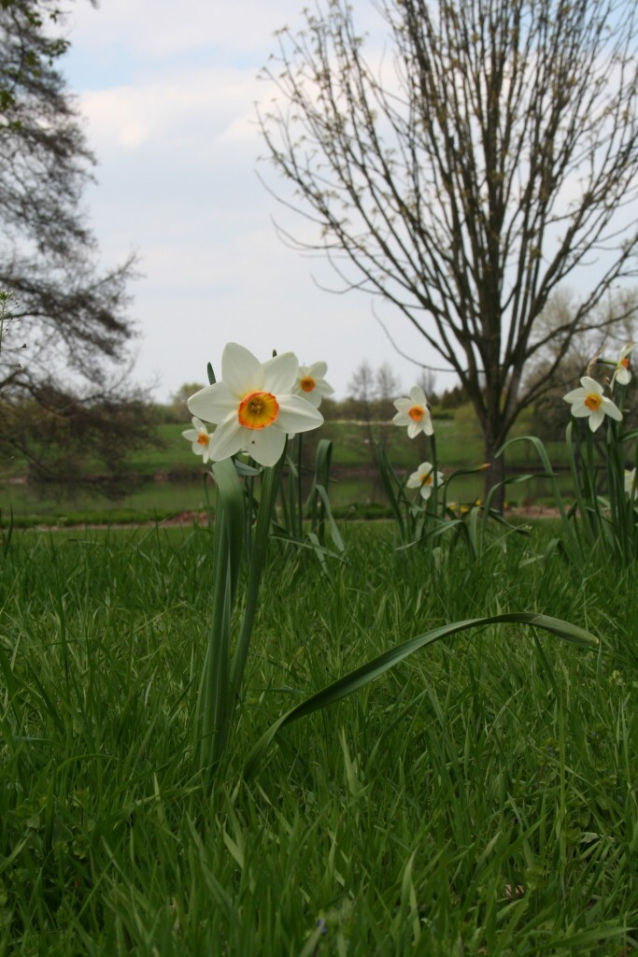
373, 669
247, 471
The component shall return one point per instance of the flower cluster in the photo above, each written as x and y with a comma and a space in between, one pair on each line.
256, 405
590, 402
413, 411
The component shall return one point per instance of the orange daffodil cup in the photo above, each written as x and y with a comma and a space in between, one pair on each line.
254, 406
414, 412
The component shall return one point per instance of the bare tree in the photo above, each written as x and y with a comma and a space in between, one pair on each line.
427, 380
387, 383
373, 392
464, 181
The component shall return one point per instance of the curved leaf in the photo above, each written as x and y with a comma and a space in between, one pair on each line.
373, 669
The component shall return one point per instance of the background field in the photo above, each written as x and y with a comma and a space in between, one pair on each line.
169, 477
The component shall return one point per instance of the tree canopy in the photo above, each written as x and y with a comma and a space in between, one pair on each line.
487, 156
66, 324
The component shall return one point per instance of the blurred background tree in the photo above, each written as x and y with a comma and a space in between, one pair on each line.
67, 329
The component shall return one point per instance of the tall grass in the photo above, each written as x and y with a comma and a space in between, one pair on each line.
478, 799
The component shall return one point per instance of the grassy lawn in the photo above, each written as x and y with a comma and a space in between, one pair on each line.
478, 800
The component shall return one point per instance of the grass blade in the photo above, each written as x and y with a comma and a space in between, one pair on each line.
373, 669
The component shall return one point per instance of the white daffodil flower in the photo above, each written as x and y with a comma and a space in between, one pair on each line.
200, 439
311, 384
254, 406
621, 372
425, 479
589, 401
414, 412
630, 483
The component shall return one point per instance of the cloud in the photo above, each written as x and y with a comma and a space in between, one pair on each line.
177, 110
163, 28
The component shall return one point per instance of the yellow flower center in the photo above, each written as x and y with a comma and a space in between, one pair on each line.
593, 401
257, 410
427, 479
416, 413
307, 384
624, 362
203, 439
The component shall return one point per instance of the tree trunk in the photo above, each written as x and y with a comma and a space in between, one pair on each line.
495, 474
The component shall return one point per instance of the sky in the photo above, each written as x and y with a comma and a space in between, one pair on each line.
167, 92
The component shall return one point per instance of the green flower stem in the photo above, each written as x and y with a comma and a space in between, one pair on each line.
214, 710
211, 726
435, 467
582, 527
593, 511
299, 529
270, 483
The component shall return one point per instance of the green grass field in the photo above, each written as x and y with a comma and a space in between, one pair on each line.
478, 800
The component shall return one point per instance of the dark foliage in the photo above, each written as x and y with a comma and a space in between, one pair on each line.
66, 327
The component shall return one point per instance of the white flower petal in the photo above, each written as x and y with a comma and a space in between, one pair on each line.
213, 403
265, 445
413, 429
242, 372
622, 375
611, 409
575, 395
280, 373
414, 480
403, 405
401, 418
417, 395
591, 385
426, 491
191, 434
314, 397
317, 370
580, 410
297, 415
227, 440
596, 419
